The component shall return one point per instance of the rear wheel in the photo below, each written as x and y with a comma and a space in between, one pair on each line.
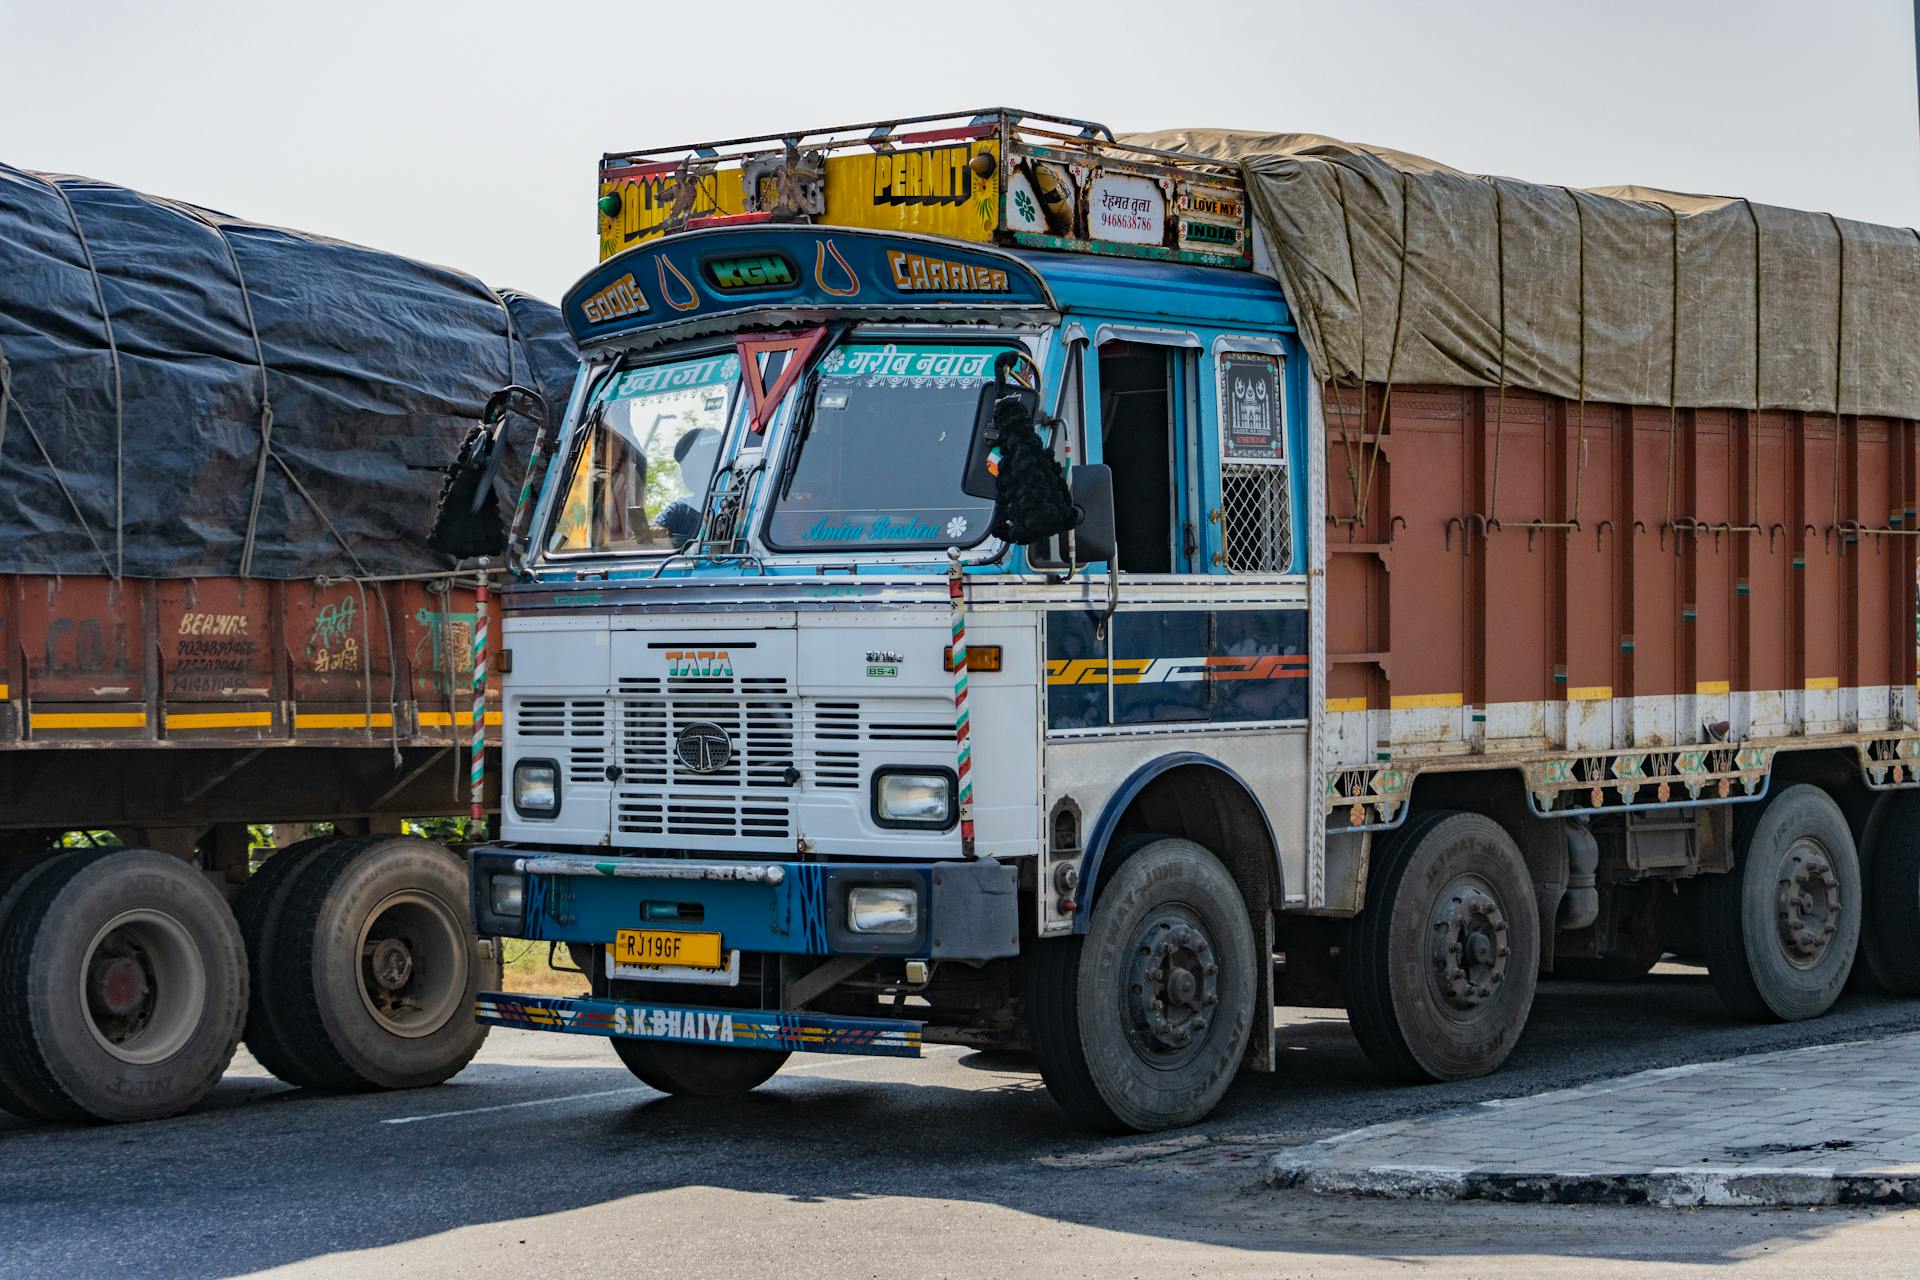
1141, 1023
21, 872
699, 1070
376, 966
1781, 929
261, 912
1889, 957
1442, 963
123, 984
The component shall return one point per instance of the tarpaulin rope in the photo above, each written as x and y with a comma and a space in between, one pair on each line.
1393, 354
118, 563
1673, 373
302, 489
1500, 399
6, 398
1839, 360
266, 399
1363, 494
1580, 415
53, 469
1360, 322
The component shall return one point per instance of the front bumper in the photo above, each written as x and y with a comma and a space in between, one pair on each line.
967, 910
682, 1024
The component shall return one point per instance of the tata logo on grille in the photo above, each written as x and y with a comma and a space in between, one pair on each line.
699, 662
703, 747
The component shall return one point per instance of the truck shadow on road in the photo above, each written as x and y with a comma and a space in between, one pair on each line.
263, 1175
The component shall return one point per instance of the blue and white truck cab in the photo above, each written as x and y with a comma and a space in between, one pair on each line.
799, 755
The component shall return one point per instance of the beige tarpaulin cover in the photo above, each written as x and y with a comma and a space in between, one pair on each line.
1403, 270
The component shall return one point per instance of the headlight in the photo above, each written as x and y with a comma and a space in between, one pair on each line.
913, 799
874, 910
508, 894
536, 788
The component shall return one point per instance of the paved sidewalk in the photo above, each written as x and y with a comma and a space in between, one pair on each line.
1832, 1124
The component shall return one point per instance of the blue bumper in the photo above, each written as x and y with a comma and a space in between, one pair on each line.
967, 910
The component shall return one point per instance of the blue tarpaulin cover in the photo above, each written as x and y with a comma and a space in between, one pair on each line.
174, 377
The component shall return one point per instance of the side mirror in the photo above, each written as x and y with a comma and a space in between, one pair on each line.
979, 480
1094, 539
515, 397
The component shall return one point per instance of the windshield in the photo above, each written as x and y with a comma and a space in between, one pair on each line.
648, 447
880, 451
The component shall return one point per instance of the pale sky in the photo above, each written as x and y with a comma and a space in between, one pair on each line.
468, 133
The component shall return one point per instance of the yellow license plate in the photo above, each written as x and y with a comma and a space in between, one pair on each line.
656, 947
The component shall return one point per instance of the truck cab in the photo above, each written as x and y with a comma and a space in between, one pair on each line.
799, 754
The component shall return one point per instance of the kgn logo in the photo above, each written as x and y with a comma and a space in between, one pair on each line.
699, 662
703, 747
760, 271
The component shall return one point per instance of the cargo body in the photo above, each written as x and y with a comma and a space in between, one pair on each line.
838, 720
1633, 606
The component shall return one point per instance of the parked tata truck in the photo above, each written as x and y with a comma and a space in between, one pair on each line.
220, 446
1007, 585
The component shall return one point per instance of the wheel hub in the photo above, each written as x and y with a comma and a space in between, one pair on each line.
1470, 945
413, 964
390, 964
1808, 904
1173, 983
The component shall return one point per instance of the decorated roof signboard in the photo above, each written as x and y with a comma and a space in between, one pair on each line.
995, 177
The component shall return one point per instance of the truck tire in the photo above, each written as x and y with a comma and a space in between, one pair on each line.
377, 967
20, 874
261, 912
699, 1070
1443, 961
123, 984
1141, 1023
1781, 929
1889, 959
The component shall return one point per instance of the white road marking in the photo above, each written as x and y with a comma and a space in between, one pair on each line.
510, 1106
602, 1093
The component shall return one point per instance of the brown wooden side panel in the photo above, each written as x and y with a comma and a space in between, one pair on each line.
225, 660
1590, 593
1602, 577
1428, 623
1517, 583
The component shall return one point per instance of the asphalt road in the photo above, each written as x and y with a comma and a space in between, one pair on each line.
546, 1158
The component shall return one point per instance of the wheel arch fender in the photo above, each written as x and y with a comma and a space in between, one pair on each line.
1191, 795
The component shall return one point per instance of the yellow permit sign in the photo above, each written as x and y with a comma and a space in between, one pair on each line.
932, 190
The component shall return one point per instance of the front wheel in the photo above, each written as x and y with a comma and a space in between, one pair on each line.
699, 1070
1782, 927
1141, 1023
1442, 963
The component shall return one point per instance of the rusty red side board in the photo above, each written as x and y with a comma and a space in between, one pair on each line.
212, 661
1592, 575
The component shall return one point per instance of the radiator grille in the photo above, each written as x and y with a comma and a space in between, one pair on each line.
573, 730
748, 797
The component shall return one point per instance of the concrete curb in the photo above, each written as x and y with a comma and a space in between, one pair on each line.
1737, 1187
1478, 1152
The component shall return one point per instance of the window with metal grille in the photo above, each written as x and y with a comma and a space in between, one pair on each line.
1256, 527
1256, 522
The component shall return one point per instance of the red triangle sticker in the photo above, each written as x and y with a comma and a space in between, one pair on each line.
800, 347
